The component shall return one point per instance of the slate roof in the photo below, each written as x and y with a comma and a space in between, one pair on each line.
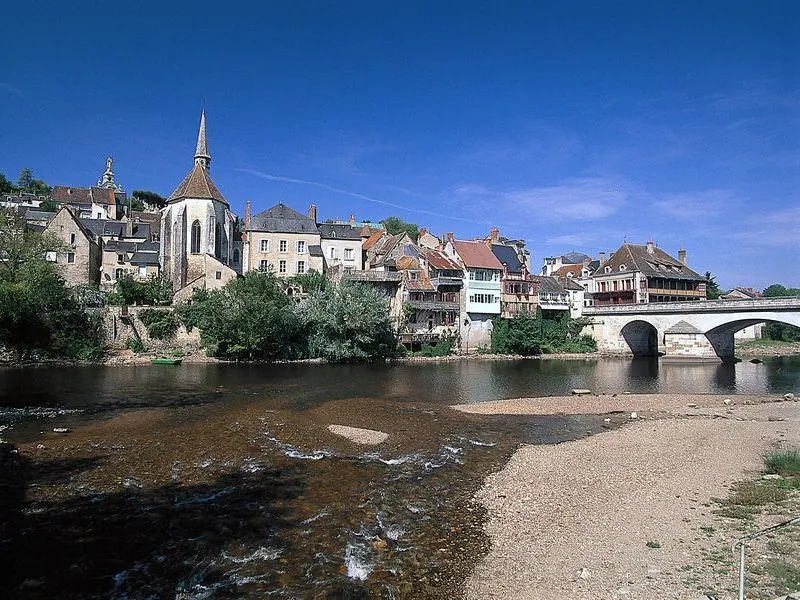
315, 250
508, 256
32, 214
338, 231
101, 227
282, 219
152, 219
635, 257
35, 227
477, 255
439, 260
197, 184
119, 246
548, 285
144, 258
571, 284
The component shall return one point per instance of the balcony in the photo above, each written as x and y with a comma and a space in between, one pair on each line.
375, 276
669, 292
453, 281
433, 305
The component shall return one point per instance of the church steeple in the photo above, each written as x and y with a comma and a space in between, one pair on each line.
201, 154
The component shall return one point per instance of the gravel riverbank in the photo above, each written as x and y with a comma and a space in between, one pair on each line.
619, 514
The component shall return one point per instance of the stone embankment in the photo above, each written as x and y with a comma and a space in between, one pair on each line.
625, 514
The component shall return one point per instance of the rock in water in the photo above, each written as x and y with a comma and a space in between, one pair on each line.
789, 396
581, 392
368, 437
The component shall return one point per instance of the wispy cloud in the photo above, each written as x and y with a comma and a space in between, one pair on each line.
360, 196
776, 229
11, 89
581, 199
694, 205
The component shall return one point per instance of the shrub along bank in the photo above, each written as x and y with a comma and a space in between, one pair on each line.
530, 334
253, 318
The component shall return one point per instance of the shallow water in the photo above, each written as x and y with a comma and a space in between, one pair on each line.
221, 481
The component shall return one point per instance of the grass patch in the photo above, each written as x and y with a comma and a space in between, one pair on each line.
785, 463
787, 575
753, 493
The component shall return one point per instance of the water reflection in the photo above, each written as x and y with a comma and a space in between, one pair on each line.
304, 386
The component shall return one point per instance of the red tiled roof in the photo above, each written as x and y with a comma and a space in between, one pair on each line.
82, 195
477, 255
567, 269
370, 241
439, 260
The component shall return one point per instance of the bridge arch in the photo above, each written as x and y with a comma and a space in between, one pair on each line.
721, 336
641, 337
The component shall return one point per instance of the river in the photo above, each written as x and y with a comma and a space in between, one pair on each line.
222, 481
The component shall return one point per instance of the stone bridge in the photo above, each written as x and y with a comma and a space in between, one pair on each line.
698, 329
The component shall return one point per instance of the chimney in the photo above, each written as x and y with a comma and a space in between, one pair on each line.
247, 210
650, 246
495, 234
129, 227
450, 237
352, 220
682, 255
312, 213
601, 257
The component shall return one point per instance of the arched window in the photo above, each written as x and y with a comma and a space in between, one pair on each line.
218, 240
196, 237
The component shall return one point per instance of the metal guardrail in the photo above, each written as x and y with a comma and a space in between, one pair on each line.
742, 543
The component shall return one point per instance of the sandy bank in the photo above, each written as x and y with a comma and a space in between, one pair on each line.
592, 506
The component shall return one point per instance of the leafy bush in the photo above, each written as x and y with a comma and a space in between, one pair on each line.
348, 321
783, 463
161, 324
444, 347
136, 345
251, 317
530, 334
156, 290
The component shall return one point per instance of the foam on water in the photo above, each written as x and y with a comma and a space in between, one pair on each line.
262, 553
356, 560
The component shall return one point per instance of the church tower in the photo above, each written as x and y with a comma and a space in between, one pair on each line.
197, 227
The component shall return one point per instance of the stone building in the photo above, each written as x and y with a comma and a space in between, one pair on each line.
106, 200
198, 229
281, 240
80, 259
126, 258
641, 274
341, 245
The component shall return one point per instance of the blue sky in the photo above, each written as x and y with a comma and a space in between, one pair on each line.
574, 125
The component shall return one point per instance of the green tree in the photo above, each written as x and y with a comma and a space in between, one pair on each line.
39, 315
49, 205
312, 281
348, 321
6, 187
140, 198
27, 183
777, 290
712, 289
396, 225
250, 318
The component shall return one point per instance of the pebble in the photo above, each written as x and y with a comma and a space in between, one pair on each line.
789, 396
727, 402
693, 405
60, 430
584, 573
634, 415
581, 392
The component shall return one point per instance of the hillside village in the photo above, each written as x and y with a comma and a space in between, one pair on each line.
436, 285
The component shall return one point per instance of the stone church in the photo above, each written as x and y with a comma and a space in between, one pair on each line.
199, 249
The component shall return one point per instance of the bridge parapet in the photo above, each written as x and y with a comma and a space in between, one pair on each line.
700, 306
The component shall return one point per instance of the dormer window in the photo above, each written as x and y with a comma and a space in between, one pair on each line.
607, 269
622, 267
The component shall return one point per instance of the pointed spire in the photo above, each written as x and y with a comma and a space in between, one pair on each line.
201, 154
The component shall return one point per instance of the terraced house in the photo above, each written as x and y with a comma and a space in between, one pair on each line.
282, 241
